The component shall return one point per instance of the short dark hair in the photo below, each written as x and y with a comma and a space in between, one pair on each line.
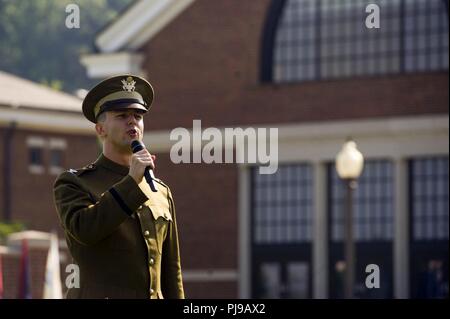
101, 117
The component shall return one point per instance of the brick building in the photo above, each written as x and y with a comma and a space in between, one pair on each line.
42, 132
313, 70
317, 73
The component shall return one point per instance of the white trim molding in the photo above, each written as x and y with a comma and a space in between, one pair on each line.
320, 234
36, 169
244, 240
57, 143
35, 239
139, 24
209, 275
36, 141
400, 251
133, 29
383, 137
60, 122
106, 65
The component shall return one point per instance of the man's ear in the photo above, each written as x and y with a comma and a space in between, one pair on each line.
99, 128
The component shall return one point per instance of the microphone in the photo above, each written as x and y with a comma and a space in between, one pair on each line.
137, 146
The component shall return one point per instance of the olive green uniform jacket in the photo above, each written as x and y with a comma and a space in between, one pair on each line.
122, 236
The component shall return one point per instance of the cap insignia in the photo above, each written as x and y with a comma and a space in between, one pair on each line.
128, 84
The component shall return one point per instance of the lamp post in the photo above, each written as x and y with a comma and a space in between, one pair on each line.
349, 165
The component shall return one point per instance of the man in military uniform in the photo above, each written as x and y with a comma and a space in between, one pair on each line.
121, 234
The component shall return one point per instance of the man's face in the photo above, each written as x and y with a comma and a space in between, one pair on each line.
119, 128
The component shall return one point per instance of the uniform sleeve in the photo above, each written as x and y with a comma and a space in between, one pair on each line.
89, 221
171, 279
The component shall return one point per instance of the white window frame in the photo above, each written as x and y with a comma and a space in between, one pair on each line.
36, 142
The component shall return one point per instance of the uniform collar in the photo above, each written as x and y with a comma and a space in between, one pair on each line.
111, 165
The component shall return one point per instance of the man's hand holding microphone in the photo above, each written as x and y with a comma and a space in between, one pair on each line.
142, 164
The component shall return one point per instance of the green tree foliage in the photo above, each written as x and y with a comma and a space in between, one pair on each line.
36, 44
9, 228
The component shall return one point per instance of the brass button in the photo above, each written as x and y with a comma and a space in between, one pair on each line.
151, 261
146, 233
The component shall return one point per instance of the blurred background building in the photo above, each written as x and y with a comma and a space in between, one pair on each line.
42, 130
315, 71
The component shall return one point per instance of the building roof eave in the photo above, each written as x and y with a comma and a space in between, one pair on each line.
138, 24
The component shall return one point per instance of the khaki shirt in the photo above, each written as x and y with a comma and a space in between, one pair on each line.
122, 235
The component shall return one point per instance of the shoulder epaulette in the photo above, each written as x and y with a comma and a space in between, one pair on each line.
82, 170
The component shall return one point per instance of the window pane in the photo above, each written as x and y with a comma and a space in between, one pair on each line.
429, 198
35, 156
285, 215
295, 42
372, 205
426, 30
56, 158
329, 39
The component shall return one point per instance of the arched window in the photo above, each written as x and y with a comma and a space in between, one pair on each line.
325, 39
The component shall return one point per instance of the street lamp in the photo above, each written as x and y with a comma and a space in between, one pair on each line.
349, 165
